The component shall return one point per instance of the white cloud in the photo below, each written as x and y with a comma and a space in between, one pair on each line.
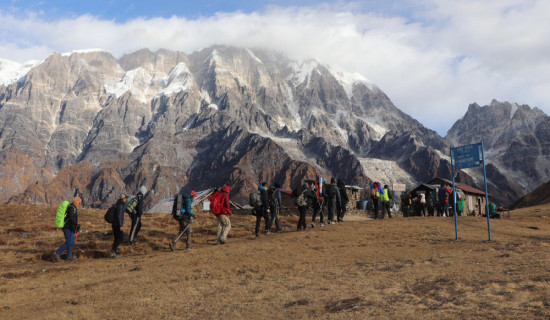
453, 53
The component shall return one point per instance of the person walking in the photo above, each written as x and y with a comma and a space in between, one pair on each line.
333, 200
317, 204
275, 203
405, 204
261, 211
70, 228
135, 215
344, 199
185, 221
224, 223
118, 225
421, 204
385, 201
430, 203
301, 203
376, 192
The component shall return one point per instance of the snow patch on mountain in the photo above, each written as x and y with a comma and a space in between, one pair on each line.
254, 56
302, 71
178, 80
514, 109
386, 172
137, 81
68, 54
349, 79
11, 71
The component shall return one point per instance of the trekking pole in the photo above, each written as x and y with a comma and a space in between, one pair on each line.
173, 242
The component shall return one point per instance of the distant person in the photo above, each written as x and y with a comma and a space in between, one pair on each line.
118, 225
275, 205
187, 217
405, 204
385, 201
344, 199
70, 228
376, 192
317, 205
261, 211
135, 210
430, 203
421, 199
444, 194
224, 223
301, 202
333, 199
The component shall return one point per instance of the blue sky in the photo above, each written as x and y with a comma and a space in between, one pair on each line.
124, 10
431, 57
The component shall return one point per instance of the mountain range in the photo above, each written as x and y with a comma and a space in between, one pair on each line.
223, 115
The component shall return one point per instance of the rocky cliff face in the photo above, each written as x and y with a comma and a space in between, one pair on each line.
517, 144
176, 122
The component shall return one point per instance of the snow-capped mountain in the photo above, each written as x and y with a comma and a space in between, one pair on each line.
11, 71
174, 121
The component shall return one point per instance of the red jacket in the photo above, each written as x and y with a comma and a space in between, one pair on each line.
226, 209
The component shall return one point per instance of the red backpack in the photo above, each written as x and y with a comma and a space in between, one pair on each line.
216, 202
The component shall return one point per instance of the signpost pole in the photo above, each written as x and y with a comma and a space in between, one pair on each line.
454, 192
486, 194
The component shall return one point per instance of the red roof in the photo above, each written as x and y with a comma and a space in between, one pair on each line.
463, 187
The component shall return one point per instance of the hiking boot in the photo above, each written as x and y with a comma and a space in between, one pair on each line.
322, 224
56, 256
73, 258
172, 244
113, 254
257, 235
222, 242
189, 247
268, 233
132, 243
313, 224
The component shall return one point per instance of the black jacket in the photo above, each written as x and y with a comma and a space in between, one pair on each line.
118, 219
139, 208
343, 194
71, 218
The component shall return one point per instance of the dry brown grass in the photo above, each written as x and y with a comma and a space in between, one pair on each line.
389, 269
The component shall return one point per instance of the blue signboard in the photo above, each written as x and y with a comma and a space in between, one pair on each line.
467, 156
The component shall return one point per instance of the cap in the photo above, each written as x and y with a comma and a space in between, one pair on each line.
193, 193
123, 195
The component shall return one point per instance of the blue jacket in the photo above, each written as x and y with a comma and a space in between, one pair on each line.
187, 206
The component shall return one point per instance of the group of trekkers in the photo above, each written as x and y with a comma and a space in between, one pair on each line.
318, 196
267, 204
430, 202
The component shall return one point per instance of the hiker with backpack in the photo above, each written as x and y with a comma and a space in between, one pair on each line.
118, 225
261, 211
224, 224
317, 204
421, 199
344, 199
405, 204
216, 200
275, 204
376, 192
333, 199
69, 226
185, 218
385, 201
135, 210
301, 202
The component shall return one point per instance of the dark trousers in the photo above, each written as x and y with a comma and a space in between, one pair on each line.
330, 208
317, 210
342, 211
119, 237
136, 226
274, 209
375, 204
302, 221
386, 208
405, 211
430, 210
422, 209
261, 211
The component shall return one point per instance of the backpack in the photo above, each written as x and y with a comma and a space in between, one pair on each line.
61, 214
110, 214
254, 199
131, 205
177, 206
374, 193
216, 199
300, 200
